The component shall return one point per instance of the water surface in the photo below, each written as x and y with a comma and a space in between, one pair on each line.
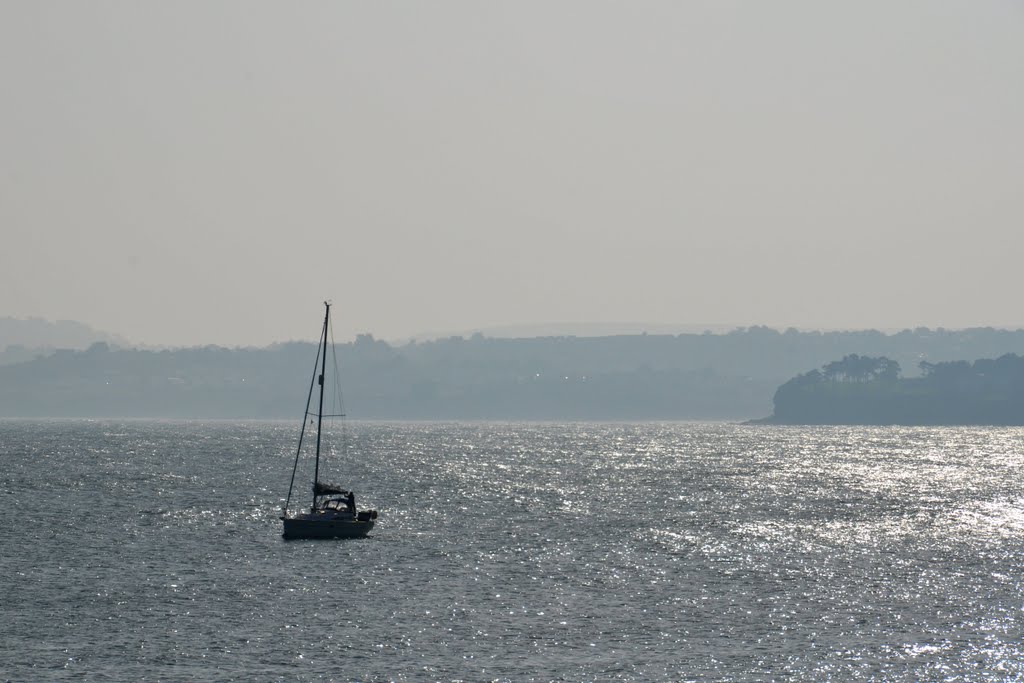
140, 550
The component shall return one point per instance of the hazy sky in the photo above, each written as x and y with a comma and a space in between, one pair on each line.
209, 172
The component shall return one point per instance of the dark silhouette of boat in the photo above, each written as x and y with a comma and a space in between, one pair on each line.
333, 512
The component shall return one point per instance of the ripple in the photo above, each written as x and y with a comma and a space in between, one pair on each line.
516, 552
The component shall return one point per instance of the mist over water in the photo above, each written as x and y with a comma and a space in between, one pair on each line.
139, 550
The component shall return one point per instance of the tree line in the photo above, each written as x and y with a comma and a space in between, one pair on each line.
688, 376
870, 390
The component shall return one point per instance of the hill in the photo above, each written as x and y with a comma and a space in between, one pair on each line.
22, 339
679, 377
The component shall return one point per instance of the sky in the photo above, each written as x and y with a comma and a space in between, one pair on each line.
185, 173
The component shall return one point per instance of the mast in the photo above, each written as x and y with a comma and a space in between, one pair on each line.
320, 410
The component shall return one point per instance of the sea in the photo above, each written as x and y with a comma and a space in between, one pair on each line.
152, 551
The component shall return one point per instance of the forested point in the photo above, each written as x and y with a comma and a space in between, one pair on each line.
871, 391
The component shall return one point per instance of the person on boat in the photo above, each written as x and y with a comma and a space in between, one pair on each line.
351, 502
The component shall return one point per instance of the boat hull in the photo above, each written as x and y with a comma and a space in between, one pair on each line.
297, 527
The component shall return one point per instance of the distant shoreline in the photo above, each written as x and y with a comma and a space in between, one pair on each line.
639, 378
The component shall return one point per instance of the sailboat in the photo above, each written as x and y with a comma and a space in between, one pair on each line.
332, 513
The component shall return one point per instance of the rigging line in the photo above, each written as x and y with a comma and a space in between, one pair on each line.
309, 397
338, 400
